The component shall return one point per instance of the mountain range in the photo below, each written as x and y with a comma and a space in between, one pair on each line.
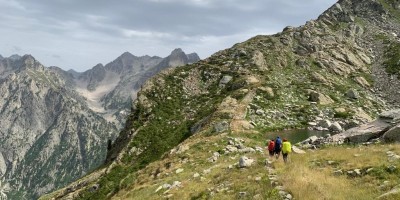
56, 124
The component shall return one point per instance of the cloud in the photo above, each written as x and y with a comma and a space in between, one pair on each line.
85, 33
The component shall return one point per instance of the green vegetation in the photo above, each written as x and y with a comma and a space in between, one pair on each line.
392, 59
311, 175
389, 5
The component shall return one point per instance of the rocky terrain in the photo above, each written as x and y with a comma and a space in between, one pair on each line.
55, 125
334, 73
110, 89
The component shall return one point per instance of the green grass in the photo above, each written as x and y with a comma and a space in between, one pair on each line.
392, 59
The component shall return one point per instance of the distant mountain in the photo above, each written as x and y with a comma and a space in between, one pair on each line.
47, 131
55, 124
110, 89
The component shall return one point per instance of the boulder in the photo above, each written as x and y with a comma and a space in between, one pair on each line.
312, 139
221, 126
245, 162
361, 81
295, 149
259, 60
260, 112
352, 94
320, 98
392, 135
231, 149
366, 132
268, 91
392, 115
225, 79
324, 123
394, 192
335, 127
318, 78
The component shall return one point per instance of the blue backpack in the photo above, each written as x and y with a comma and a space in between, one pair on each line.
278, 143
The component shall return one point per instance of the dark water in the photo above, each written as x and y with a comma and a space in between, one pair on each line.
295, 136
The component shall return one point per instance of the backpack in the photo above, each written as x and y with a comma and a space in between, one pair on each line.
271, 145
278, 142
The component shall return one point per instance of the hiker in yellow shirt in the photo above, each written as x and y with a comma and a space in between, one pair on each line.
286, 149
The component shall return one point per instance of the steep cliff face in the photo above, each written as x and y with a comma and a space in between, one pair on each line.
333, 68
47, 131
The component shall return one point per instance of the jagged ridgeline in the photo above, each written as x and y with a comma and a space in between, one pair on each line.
55, 124
336, 67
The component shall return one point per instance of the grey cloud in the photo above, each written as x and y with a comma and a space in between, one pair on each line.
91, 31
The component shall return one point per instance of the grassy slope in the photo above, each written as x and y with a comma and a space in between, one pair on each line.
307, 176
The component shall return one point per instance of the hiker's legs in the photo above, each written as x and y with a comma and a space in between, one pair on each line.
271, 154
277, 152
285, 157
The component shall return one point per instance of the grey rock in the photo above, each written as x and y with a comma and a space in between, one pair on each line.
247, 150
221, 126
335, 127
245, 162
338, 173
353, 94
393, 192
366, 132
260, 112
392, 115
196, 175
225, 79
167, 186
320, 98
176, 184
325, 123
231, 149
295, 149
392, 135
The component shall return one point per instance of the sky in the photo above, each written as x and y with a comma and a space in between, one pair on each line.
78, 34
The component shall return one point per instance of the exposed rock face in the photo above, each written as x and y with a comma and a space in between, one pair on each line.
110, 89
47, 132
55, 124
392, 135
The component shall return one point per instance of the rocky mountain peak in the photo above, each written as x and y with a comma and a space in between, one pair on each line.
193, 57
177, 57
1, 57
177, 51
14, 57
126, 55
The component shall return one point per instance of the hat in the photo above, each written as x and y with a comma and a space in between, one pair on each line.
284, 139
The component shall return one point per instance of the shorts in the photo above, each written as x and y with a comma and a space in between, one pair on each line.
277, 151
285, 155
271, 153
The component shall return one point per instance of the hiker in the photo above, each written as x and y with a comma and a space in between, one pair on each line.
286, 149
271, 147
278, 147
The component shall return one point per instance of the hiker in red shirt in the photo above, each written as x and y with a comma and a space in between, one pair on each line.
271, 147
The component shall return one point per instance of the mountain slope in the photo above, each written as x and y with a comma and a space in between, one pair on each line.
43, 123
53, 132
337, 68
